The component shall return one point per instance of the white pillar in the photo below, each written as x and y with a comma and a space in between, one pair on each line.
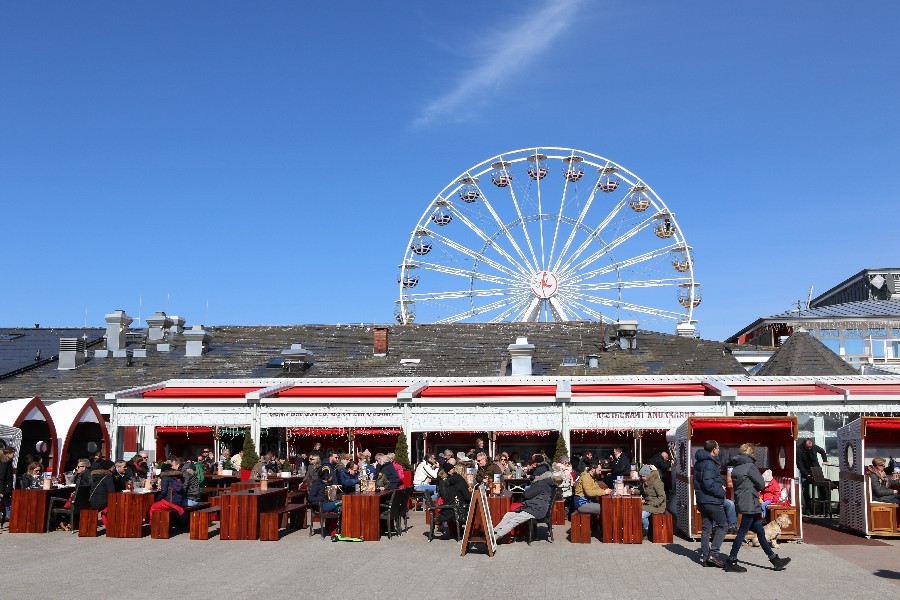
254, 426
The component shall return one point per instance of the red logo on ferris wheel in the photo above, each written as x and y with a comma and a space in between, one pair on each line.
544, 284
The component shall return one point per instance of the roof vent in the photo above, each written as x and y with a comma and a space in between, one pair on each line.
593, 361
521, 352
197, 341
71, 353
116, 329
627, 330
685, 329
157, 326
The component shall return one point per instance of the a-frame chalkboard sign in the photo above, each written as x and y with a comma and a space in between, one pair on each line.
479, 527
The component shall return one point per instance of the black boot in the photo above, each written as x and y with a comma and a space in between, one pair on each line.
779, 563
732, 566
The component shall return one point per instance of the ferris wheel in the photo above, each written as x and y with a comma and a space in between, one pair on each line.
547, 234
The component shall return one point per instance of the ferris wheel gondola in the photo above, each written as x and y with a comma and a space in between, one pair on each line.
539, 248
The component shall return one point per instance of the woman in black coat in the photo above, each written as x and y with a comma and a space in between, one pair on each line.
102, 485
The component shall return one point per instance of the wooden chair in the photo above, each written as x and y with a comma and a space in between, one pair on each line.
161, 520
581, 532
200, 520
87, 522
269, 522
82, 501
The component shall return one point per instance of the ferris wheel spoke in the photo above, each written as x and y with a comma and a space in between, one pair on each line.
489, 241
590, 311
515, 307
607, 248
530, 313
512, 194
424, 297
591, 236
575, 228
656, 312
618, 265
622, 285
503, 227
477, 256
472, 312
560, 312
468, 273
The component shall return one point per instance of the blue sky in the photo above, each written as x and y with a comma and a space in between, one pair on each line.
270, 159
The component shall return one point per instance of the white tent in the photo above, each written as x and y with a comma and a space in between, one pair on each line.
67, 415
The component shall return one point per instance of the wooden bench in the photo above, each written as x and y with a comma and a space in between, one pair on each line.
270, 521
87, 522
580, 533
160, 522
559, 512
200, 520
661, 528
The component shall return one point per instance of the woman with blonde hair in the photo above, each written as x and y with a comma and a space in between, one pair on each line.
748, 483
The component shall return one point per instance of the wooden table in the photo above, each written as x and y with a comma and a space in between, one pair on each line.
499, 506
255, 485
28, 513
361, 515
621, 517
240, 511
127, 512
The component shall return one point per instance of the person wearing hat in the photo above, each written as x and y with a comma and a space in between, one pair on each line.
772, 491
881, 490
748, 483
102, 485
653, 493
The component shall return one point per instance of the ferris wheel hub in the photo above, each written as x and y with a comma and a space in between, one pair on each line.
544, 284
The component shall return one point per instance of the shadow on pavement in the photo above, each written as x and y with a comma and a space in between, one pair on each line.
887, 574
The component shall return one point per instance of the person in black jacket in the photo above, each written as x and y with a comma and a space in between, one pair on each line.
807, 459
385, 468
102, 484
318, 492
454, 490
7, 468
620, 466
709, 492
136, 469
538, 497
663, 463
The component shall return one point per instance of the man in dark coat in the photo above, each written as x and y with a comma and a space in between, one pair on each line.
807, 459
538, 496
709, 492
7, 468
663, 463
620, 466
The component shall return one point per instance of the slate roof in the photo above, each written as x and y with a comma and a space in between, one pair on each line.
865, 309
805, 356
19, 346
470, 349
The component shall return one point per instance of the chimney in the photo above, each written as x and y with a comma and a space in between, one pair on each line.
521, 353
177, 326
157, 326
71, 353
382, 334
197, 341
593, 361
685, 329
116, 327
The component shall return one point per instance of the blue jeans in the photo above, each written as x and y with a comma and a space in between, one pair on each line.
764, 505
189, 502
645, 521
730, 513
331, 506
427, 488
750, 523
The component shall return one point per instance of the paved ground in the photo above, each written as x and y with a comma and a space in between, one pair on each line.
409, 567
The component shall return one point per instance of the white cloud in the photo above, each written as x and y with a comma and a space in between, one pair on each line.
511, 51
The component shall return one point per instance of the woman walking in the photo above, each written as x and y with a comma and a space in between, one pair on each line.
748, 483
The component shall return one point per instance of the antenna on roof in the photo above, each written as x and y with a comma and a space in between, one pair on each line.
809, 297
140, 307
206, 316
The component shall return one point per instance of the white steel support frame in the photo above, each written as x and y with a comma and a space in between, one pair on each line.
586, 270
